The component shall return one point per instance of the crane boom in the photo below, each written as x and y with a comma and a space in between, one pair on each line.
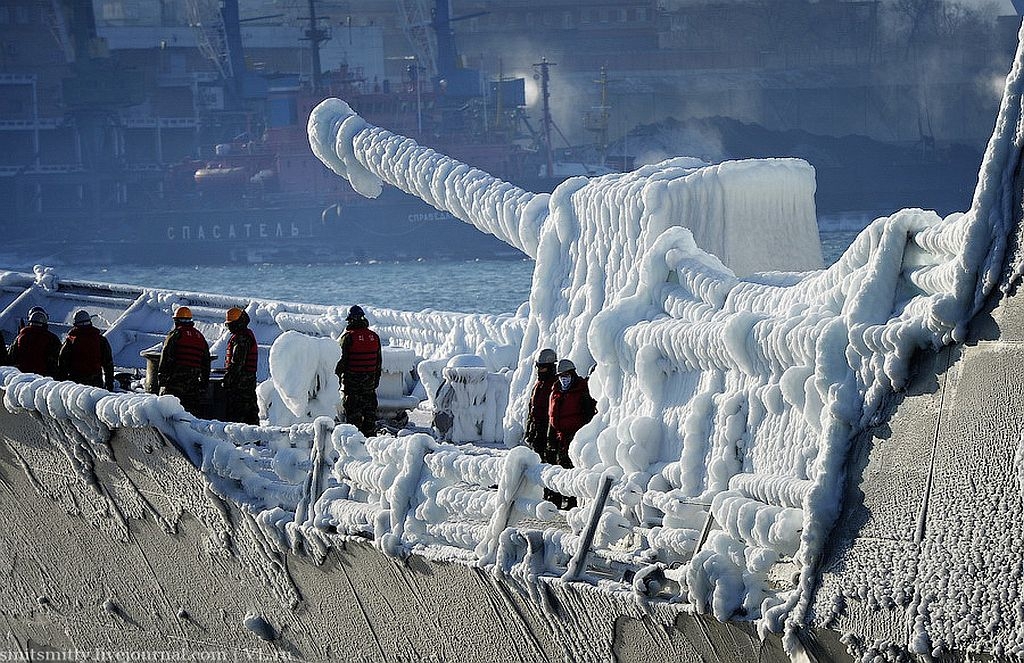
417, 23
205, 19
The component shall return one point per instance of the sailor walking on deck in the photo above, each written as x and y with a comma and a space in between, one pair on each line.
359, 371
240, 369
85, 356
36, 348
184, 369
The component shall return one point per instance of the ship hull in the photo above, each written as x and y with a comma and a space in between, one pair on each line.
394, 227
148, 559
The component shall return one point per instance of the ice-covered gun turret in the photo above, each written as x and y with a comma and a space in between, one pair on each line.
717, 383
722, 205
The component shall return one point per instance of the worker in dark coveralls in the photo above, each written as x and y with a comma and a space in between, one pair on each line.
36, 348
359, 371
538, 435
537, 417
85, 356
571, 407
184, 368
4, 358
240, 369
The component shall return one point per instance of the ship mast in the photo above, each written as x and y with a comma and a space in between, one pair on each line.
315, 35
544, 66
418, 27
598, 121
604, 114
498, 110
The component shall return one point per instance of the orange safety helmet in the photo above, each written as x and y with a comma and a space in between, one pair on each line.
234, 313
183, 313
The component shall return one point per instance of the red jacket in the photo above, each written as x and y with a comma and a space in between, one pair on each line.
35, 350
570, 410
242, 352
184, 348
540, 401
86, 358
360, 351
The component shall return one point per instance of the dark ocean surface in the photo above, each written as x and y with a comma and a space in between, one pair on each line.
480, 286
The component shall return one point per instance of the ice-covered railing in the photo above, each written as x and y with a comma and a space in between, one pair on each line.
135, 319
726, 398
263, 469
430, 334
304, 482
415, 494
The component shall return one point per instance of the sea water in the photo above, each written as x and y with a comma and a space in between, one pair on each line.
478, 286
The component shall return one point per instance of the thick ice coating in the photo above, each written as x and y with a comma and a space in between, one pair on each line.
731, 373
754, 215
729, 382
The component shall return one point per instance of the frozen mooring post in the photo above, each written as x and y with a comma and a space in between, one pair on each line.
814, 464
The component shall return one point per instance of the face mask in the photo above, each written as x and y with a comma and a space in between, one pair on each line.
565, 381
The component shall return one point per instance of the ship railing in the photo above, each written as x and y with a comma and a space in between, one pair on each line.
144, 168
40, 123
17, 79
288, 198
132, 122
495, 507
266, 473
414, 491
10, 171
62, 303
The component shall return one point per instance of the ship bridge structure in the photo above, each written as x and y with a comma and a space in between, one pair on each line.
789, 462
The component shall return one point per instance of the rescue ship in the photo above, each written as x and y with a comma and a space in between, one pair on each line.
218, 169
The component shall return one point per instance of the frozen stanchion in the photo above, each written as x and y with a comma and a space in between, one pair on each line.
152, 357
215, 403
578, 564
213, 399
469, 400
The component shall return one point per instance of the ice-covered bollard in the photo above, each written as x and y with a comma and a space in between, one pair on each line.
397, 382
470, 402
302, 384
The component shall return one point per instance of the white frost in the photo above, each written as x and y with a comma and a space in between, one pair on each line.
731, 374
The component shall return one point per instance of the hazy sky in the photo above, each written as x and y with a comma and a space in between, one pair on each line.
1005, 6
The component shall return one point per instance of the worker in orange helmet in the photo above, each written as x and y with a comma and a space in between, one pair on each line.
184, 369
240, 369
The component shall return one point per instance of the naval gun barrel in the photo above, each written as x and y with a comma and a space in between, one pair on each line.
367, 156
